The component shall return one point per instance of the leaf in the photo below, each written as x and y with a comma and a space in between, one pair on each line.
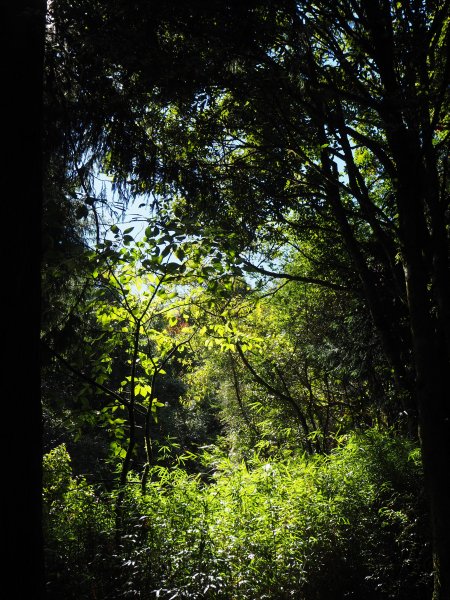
180, 254
166, 251
172, 267
82, 212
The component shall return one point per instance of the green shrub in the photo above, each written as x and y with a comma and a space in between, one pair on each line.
348, 525
78, 530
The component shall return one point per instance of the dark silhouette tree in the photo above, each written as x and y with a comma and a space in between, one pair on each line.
22, 75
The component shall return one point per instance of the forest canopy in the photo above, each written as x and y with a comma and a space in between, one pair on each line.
246, 299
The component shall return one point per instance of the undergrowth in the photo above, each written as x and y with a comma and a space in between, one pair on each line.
351, 524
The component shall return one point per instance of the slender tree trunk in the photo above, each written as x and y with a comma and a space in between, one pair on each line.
147, 436
126, 465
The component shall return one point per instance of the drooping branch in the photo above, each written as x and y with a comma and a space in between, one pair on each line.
277, 393
291, 277
237, 389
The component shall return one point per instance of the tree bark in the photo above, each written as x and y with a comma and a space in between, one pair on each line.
432, 368
434, 425
426, 305
22, 116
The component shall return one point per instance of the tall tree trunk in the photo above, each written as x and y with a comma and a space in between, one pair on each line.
22, 76
434, 433
431, 366
430, 351
435, 441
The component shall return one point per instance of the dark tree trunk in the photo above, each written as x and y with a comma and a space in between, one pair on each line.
432, 368
424, 247
435, 441
434, 432
428, 307
22, 78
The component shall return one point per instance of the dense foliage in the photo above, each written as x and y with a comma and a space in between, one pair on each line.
347, 525
244, 385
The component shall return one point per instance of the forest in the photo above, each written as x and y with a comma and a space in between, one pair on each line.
244, 299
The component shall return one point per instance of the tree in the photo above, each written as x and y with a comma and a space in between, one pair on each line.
292, 364
22, 67
326, 121
346, 115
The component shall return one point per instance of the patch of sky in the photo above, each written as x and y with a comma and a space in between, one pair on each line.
115, 210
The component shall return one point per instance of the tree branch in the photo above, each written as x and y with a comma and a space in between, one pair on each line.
85, 377
290, 277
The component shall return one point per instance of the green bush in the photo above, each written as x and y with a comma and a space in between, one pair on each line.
78, 530
348, 525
